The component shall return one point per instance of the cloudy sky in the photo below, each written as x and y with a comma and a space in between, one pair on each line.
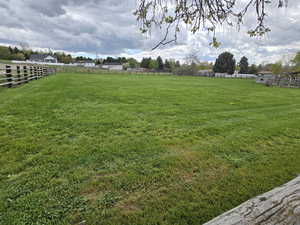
108, 28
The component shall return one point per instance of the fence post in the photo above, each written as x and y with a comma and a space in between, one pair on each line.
39, 72
8, 76
35, 72
31, 72
25, 74
19, 75
45, 72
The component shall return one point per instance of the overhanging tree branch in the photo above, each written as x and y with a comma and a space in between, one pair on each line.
199, 15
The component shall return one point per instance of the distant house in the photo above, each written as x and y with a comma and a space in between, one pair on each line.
242, 75
206, 73
137, 69
112, 66
86, 63
43, 58
221, 74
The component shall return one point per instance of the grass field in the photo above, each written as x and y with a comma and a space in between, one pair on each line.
153, 150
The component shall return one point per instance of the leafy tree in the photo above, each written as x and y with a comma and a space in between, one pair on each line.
199, 15
153, 64
296, 59
19, 56
177, 64
277, 68
259, 68
133, 63
186, 70
225, 63
205, 66
5, 53
253, 69
160, 63
244, 65
27, 55
63, 58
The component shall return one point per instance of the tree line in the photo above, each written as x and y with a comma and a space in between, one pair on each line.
159, 65
225, 62
15, 53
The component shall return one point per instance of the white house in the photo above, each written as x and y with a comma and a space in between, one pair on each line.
112, 66
85, 63
206, 73
43, 58
246, 76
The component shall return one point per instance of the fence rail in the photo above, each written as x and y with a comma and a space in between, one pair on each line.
11, 76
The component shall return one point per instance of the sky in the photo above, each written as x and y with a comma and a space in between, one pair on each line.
109, 28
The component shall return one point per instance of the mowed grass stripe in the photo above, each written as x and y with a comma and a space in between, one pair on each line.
136, 149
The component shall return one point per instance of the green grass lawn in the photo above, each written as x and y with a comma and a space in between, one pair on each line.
151, 150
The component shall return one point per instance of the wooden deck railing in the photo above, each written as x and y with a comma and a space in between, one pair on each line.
13, 75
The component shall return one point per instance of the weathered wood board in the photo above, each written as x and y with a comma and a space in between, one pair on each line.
280, 206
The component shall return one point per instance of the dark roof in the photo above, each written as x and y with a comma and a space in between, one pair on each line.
40, 57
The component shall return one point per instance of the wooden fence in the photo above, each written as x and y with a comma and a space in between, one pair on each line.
284, 82
13, 75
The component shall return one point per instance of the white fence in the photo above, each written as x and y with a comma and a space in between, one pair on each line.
225, 75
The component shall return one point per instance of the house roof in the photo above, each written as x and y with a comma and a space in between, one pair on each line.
266, 76
35, 57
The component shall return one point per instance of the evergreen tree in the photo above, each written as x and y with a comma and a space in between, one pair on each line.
16, 50
11, 50
244, 65
167, 65
160, 63
145, 63
225, 63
